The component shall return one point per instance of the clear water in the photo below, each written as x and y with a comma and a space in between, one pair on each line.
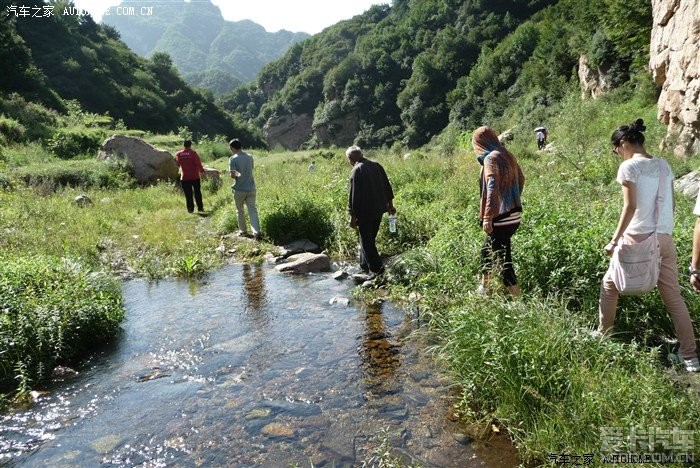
248, 367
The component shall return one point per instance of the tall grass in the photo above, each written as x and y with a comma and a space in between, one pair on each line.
52, 311
533, 366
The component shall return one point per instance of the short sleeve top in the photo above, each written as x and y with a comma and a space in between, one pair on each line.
645, 174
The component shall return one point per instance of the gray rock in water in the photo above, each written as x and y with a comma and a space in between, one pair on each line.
339, 300
299, 246
63, 373
360, 277
305, 263
291, 408
340, 274
461, 438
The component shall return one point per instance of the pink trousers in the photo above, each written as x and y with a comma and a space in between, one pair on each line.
670, 293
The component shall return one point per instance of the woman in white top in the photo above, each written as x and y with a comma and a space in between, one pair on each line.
695, 259
639, 175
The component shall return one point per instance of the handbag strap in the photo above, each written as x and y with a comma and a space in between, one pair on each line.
659, 199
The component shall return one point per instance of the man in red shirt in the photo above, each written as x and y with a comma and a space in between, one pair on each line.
191, 167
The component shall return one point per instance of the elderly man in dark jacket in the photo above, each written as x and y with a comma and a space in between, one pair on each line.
370, 197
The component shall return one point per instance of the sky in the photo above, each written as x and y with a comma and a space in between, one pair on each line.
310, 16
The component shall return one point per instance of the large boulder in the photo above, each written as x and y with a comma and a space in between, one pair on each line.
675, 64
214, 175
306, 263
148, 164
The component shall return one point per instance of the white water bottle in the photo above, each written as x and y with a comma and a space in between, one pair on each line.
392, 223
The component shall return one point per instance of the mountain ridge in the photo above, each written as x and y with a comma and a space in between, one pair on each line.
208, 50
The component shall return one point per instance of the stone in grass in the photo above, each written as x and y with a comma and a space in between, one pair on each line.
82, 200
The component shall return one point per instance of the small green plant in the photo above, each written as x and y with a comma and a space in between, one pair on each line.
189, 266
382, 454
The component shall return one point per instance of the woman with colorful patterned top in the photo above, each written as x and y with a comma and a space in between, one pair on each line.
501, 185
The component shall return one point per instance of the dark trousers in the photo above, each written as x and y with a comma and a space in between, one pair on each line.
369, 256
189, 186
497, 250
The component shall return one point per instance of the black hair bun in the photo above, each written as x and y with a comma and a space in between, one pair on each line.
638, 125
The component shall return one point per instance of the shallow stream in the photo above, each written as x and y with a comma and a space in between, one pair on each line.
249, 367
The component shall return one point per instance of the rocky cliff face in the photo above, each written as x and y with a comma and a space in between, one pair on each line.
675, 65
289, 131
594, 81
340, 131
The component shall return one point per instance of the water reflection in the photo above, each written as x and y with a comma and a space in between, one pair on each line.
254, 287
377, 352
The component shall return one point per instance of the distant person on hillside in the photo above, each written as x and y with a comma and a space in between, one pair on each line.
640, 175
501, 185
541, 136
370, 197
695, 260
241, 167
191, 168
312, 166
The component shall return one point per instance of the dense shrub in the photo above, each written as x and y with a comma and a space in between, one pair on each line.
299, 219
51, 311
67, 144
37, 120
11, 130
5, 182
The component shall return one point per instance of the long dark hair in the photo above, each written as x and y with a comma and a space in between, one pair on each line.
631, 133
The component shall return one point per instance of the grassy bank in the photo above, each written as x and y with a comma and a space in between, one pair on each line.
52, 310
527, 363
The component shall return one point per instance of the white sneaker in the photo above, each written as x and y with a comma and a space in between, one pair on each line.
692, 364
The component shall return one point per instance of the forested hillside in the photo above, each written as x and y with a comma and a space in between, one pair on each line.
49, 60
209, 51
407, 71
